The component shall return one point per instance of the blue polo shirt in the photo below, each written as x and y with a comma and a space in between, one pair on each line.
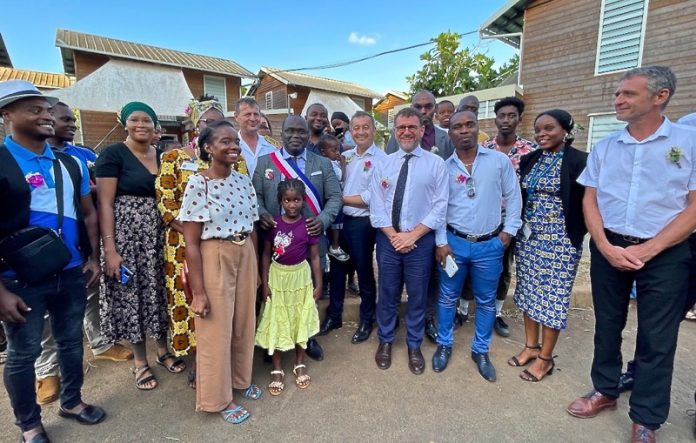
43, 209
83, 154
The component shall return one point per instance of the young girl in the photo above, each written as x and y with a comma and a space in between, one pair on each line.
289, 316
330, 147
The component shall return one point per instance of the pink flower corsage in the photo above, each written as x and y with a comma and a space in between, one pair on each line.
367, 166
461, 179
268, 173
34, 179
384, 183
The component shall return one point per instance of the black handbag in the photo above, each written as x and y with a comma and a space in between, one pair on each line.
36, 253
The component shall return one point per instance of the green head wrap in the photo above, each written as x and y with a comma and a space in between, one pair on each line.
131, 107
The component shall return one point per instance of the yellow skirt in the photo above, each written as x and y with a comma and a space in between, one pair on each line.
289, 317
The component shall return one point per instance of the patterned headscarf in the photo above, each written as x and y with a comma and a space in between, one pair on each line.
132, 107
196, 109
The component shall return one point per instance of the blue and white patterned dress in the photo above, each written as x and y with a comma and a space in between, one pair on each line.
547, 262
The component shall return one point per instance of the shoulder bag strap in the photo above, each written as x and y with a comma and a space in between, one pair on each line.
58, 178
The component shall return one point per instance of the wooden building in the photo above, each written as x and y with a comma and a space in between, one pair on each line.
383, 109
573, 52
281, 93
110, 73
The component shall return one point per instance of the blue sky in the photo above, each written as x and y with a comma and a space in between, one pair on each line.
272, 33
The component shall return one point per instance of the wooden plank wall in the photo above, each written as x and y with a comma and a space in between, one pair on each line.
96, 126
559, 53
86, 63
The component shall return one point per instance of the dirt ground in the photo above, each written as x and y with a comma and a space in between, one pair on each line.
351, 400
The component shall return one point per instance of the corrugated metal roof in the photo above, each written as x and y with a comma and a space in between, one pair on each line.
69, 41
507, 20
4, 55
325, 84
42, 80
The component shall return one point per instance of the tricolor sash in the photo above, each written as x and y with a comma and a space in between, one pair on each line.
293, 171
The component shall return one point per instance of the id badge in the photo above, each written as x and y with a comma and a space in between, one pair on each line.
189, 166
526, 231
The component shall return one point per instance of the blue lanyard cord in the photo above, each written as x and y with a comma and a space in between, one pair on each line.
536, 175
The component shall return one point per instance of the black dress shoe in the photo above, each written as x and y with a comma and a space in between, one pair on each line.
363, 333
431, 330
501, 328
441, 358
416, 362
383, 355
626, 380
90, 415
314, 351
485, 367
41, 437
328, 325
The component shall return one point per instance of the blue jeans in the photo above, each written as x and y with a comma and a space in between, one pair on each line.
358, 239
64, 297
396, 270
483, 261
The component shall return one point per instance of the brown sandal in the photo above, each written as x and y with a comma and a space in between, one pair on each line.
302, 381
516, 363
277, 387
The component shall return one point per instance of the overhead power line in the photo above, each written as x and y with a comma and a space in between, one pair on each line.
362, 59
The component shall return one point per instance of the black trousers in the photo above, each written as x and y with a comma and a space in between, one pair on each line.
661, 289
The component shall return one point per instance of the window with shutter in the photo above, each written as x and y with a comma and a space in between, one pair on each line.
601, 126
621, 31
269, 100
215, 86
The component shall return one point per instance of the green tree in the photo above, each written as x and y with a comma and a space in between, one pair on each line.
449, 69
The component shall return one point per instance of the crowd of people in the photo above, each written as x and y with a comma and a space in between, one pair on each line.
222, 244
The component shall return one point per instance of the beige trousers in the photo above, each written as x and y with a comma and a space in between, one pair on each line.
225, 337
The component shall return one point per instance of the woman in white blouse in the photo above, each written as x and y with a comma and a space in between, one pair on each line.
218, 211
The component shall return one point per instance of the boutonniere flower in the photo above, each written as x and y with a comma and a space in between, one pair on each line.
367, 166
434, 150
675, 155
461, 179
268, 173
34, 179
384, 182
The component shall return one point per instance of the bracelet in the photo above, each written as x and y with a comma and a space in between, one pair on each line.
107, 236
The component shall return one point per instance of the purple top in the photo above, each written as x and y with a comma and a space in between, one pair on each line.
290, 241
428, 140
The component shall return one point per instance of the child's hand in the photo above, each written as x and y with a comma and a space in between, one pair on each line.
266, 293
317, 293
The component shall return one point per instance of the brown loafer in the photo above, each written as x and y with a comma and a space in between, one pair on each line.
383, 355
47, 389
590, 405
416, 362
641, 434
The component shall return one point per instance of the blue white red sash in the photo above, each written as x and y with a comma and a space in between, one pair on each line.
293, 171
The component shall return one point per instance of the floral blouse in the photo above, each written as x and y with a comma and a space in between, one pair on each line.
520, 148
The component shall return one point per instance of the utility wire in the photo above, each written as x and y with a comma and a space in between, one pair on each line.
362, 59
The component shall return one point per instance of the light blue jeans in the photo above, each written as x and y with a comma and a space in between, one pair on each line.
483, 261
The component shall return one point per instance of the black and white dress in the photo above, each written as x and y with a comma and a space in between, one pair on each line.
138, 308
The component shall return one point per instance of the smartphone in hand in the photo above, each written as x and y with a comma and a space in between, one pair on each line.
126, 274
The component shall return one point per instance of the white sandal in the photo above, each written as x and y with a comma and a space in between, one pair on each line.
277, 387
302, 381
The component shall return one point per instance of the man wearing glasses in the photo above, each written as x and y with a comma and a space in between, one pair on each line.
408, 201
434, 139
474, 237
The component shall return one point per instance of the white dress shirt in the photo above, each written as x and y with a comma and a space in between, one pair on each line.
639, 189
425, 196
494, 181
359, 170
251, 158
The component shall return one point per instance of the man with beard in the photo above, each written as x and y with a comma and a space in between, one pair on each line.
317, 120
294, 160
408, 201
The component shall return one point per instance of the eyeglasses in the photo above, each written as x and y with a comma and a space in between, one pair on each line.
427, 106
470, 188
410, 128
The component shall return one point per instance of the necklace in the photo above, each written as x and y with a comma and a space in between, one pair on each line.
469, 164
